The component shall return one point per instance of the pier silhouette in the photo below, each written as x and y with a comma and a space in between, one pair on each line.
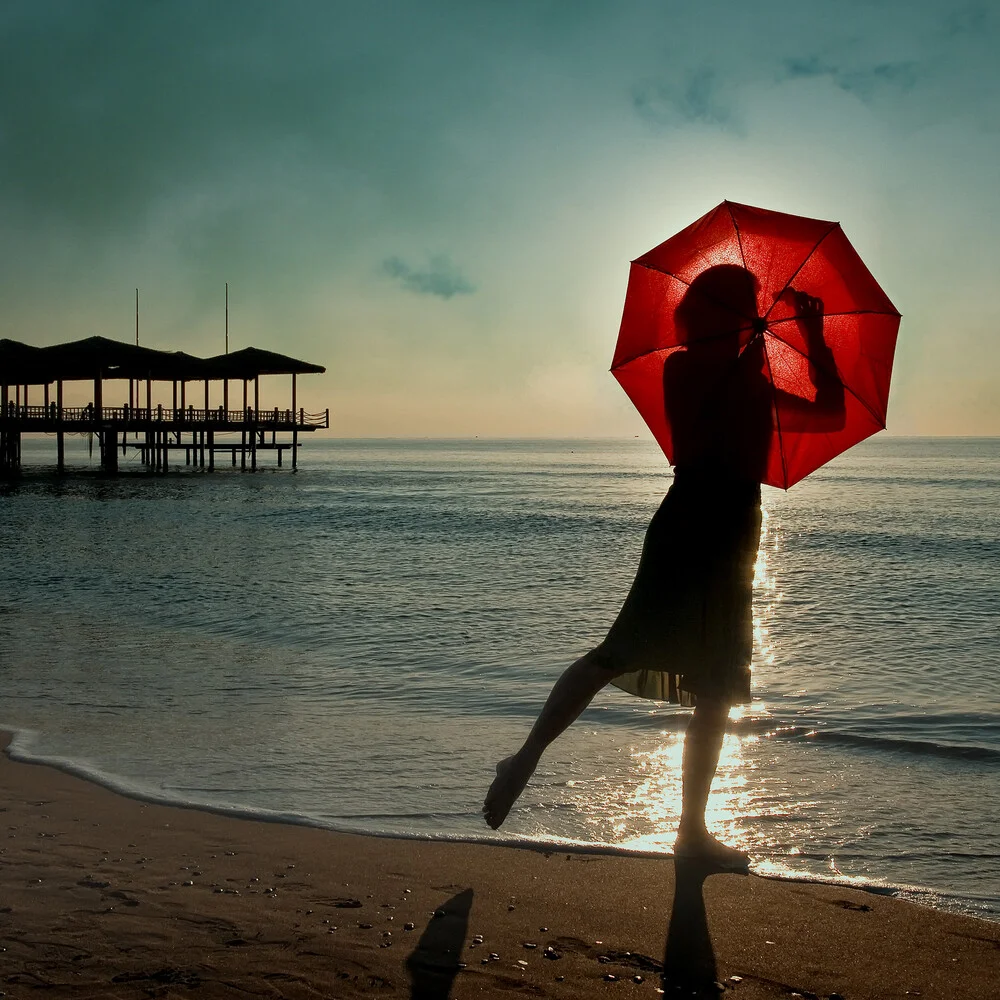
151, 431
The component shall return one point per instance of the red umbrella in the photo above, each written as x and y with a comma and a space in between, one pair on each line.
757, 343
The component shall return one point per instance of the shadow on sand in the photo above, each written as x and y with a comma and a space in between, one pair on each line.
689, 967
434, 962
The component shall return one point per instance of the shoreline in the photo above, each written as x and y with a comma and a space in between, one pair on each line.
9, 737
103, 894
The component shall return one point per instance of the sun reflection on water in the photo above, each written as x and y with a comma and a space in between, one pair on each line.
653, 808
766, 593
649, 810
747, 808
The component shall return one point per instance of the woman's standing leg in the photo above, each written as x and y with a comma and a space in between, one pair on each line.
570, 695
702, 746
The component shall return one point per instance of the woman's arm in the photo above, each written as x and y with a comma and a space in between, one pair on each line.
826, 412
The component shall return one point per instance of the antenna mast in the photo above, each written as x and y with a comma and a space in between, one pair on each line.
227, 317
137, 317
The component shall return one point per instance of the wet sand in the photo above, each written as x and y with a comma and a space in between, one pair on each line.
106, 896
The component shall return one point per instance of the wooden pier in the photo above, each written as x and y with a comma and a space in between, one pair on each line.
204, 435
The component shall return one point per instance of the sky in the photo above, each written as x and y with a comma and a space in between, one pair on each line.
439, 200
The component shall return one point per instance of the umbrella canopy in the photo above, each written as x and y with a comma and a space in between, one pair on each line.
757, 344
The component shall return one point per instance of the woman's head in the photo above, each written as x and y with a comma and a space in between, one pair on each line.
718, 403
721, 300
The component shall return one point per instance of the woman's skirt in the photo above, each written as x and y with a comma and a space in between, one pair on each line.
686, 627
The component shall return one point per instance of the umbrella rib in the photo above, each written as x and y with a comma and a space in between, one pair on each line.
850, 312
834, 374
739, 237
805, 260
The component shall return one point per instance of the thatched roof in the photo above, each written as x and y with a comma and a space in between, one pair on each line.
252, 361
99, 357
20, 359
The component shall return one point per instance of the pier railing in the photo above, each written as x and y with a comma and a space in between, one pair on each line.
52, 416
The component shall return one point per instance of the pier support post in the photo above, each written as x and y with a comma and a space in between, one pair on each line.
109, 450
295, 427
243, 433
60, 436
4, 394
107, 435
10, 452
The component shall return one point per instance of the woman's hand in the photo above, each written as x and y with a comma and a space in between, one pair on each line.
810, 310
809, 313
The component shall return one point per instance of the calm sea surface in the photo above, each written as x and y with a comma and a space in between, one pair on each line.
357, 643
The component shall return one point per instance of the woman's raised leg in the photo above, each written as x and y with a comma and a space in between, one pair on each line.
570, 695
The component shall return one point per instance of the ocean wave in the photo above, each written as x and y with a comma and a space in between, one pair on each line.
891, 743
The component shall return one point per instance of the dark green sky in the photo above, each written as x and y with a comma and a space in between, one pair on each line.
439, 200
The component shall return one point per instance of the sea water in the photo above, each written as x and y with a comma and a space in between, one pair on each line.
357, 643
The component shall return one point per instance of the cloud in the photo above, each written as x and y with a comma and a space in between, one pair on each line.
695, 98
971, 20
866, 83
441, 277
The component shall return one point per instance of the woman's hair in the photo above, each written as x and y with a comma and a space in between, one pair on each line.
722, 299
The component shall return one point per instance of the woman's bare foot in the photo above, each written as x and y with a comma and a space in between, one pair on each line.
705, 848
512, 775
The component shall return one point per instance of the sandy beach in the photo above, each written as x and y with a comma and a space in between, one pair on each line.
106, 896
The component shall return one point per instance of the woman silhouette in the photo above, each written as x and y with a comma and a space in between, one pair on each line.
685, 631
